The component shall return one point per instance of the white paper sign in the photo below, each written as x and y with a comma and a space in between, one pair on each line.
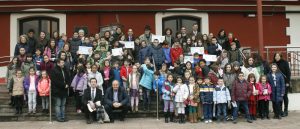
85, 50
212, 58
128, 44
117, 51
188, 58
199, 50
159, 37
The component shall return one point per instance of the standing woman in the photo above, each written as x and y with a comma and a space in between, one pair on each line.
283, 66
249, 67
276, 81
51, 50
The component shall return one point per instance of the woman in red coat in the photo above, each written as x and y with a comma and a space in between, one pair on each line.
176, 51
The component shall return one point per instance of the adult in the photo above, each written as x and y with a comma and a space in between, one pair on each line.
147, 36
117, 34
60, 81
195, 32
42, 41
184, 35
168, 36
130, 36
176, 51
75, 42
229, 40
144, 52
250, 67
31, 41
157, 53
93, 97
284, 68
222, 38
21, 44
116, 98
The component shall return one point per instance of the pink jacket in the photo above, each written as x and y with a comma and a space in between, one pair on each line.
48, 52
44, 87
260, 89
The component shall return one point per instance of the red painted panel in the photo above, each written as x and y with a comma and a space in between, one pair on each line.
245, 28
82, 19
5, 36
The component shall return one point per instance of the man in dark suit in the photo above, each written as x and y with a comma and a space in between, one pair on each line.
130, 36
195, 32
116, 98
93, 97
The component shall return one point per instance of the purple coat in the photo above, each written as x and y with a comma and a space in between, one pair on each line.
26, 83
79, 83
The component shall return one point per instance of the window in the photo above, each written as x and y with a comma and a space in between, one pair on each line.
38, 24
176, 22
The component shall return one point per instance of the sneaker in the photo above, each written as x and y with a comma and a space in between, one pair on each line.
100, 121
234, 121
78, 111
206, 122
249, 121
209, 121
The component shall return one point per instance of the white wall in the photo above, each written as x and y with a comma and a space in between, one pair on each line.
294, 29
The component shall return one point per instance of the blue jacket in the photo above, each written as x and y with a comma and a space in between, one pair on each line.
37, 61
26, 83
167, 54
167, 90
279, 89
157, 53
21, 45
206, 94
117, 76
159, 82
143, 53
147, 77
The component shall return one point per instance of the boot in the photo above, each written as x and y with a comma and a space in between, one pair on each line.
253, 117
171, 116
180, 118
183, 118
17, 111
166, 117
137, 108
286, 113
20, 110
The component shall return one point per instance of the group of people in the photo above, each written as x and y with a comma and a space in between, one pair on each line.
105, 86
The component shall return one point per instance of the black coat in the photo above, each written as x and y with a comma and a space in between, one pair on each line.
122, 97
87, 96
285, 69
58, 84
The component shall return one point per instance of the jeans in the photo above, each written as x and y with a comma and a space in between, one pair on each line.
277, 107
31, 101
60, 107
236, 109
207, 110
146, 97
45, 102
222, 108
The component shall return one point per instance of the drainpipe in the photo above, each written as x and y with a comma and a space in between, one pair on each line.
260, 28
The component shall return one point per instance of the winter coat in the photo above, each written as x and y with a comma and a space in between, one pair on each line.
117, 76
48, 52
159, 82
18, 88
278, 90
234, 55
79, 83
122, 97
167, 54
11, 72
229, 78
32, 42
25, 67
37, 62
21, 45
175, 54
49, 66
125, 72
27, 83
59, 79
221, 94
212, 49
227, 43
143, 53
249, 70
75, 43
157, 53
147, 77
252, 97
44, 87
167, 90
261, 88
206, 94
181, 92
285, 70
240, 90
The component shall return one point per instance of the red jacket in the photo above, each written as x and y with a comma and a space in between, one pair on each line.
253, 97
44, 87
175, 53
124, 73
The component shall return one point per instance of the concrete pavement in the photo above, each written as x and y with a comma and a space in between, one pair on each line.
290, 122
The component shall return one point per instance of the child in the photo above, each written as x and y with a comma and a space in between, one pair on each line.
30, 86
51, 50
234, 54
44, 90
79, 84
107, 75
38, 59
116, 73
11, 72
146, 83
95, 74
167, 51
252, 103
27, 64
22, 56
17, 90
181, 94
221, 99
168, 98
206, 94
200, 107
239, 95
176, 51
264, 96
277, 83
47, 65
134, 78
193, 99
124, 72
